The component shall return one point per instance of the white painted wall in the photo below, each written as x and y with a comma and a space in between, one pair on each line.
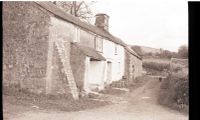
86, 75
116, 59
96, 73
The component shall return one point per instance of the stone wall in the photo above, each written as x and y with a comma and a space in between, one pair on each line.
77, 61
132, 72
25, 45
59, 80
60, 30
137, 66
127, 66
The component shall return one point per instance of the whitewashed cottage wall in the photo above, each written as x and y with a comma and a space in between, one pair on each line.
117, 59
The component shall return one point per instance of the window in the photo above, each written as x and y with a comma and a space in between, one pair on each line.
77, 34
99, 44
116, 50
133, 68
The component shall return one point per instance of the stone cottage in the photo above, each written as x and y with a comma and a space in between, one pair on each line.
46, 50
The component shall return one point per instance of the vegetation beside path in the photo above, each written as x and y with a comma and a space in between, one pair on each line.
17, 102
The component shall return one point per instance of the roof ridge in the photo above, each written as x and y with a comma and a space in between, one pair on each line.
70, 18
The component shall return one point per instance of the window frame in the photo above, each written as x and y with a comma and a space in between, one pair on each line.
77, 34
116, 49
98, 42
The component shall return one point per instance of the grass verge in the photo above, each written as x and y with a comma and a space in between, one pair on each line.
15, 102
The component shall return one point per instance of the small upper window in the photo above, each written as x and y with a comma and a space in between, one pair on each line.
77, 34
99, 44
116, 49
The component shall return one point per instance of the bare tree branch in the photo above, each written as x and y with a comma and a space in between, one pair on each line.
80, 9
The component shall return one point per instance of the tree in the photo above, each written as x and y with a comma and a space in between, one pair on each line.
174, 54
183, 51
166, 54
80, 9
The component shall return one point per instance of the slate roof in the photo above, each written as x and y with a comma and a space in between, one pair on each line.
67, 17
91, 52
133, 52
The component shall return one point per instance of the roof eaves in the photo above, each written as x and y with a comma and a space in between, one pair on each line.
97, 56
133, 53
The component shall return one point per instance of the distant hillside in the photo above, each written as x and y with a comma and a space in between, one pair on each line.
150, 50
142, 50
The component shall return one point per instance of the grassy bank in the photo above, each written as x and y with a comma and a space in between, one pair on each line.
17, 102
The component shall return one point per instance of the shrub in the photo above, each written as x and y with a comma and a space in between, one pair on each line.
174, 92
183, 51
156, 66
181, 92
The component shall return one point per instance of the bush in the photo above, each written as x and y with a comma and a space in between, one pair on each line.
156, 66
183, 52
181, 89
174, 92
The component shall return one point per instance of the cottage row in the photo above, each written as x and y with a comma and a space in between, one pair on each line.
46, 50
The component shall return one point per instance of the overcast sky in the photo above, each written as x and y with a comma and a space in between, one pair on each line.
153, 23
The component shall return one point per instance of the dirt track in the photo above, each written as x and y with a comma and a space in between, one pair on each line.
137, 105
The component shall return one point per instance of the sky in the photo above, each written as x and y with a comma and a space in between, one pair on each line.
152, 23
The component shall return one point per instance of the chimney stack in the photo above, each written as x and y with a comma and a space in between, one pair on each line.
102, 21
